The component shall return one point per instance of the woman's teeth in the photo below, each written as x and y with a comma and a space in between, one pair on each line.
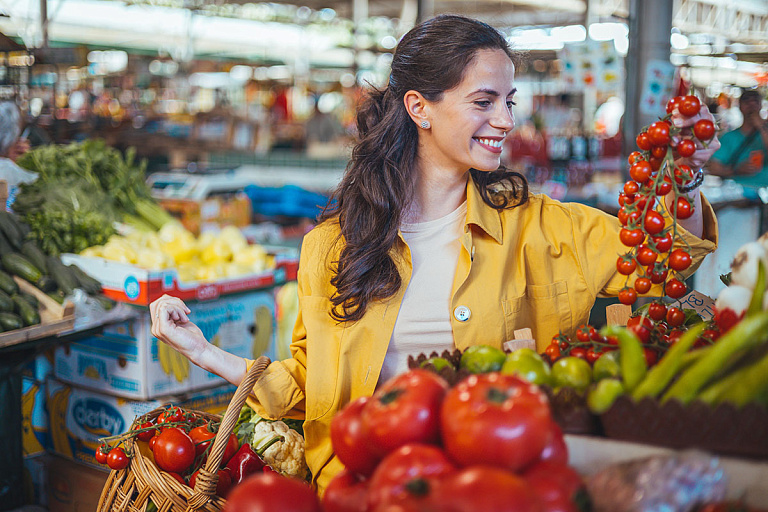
490, 142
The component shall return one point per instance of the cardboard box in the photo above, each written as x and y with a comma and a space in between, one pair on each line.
35, 435
74, 487
79, 417
35, 479
126, 360
128, 283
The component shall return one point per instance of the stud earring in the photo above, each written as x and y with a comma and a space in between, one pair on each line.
425, 124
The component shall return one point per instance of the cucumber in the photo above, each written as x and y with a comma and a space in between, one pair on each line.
47, 284
7, 284
6, 303
57, 295
5, 245
28, 314
10, 321
63, 276
87, 283
30, 298
18, 265
11, 230
32, 252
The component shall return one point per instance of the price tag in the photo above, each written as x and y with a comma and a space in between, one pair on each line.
699, 302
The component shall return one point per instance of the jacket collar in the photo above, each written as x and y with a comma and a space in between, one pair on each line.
480, 214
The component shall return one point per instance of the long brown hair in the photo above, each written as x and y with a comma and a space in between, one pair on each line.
378, 184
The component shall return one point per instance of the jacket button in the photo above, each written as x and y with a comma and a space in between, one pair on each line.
462, 313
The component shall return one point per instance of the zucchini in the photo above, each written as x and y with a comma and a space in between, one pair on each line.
11, 230
6, 304
18, 265
90, 285
5, 245
7, 284
29, 315
63, 276
57, 295
46, 284
30, 298
32, 252
10, 321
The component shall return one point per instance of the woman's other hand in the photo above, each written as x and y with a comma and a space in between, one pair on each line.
171, 325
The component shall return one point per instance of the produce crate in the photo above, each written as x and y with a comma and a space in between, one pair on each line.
128, 283
54, 318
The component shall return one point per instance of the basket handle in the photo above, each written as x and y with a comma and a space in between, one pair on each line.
205, 486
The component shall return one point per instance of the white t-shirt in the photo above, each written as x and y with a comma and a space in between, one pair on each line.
14, 175
424, 321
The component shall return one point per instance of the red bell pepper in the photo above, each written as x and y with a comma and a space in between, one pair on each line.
244, 462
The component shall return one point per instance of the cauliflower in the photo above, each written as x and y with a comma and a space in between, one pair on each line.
286, 455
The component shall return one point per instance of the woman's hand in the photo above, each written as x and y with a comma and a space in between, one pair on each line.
702, 154
171, 325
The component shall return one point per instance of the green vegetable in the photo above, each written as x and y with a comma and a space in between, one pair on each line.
750, 332
5, 245
20, 266
33, 253
10, 228
7, 284
6, 304
631, 357
86, 282
10, 321
28, 314
600, 397
63, 276
739, 387
756, 304
665, 370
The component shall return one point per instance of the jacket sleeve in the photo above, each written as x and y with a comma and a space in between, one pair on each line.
596, 238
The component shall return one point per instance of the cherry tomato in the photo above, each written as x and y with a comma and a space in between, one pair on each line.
202, 437
657, 311
117, 459
658, 133
631, 237
101, 455
651, 356
686, 148
488, 488
658, 273
593, 356
174, 450
579, 352
171, 415
642, 285
689, 106
643, 142
631, 187
664, 187
640, 171
635, 156
627, 296
704, 129
553, 351
683, 174
684, 208
663, 243
642, 326
349, 443
404, 410
673, 103
653, 222
147, 434
675, 317
624, 267
679, 260
584, 332
268, 492
494, 419
646, 256
675, 288
655, 162
659, 151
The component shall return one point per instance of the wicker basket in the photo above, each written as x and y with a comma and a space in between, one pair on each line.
130, 489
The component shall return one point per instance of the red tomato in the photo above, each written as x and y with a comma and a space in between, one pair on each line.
625, 267
686, 148
631, 237
405, 409
223, 485
646, 256
579, 352
689, 106
269, 492
553, 351
202, 437
658, 273
651, 356
643, 142
488, 488
631, 187
675, 317
171, 415
593, 356
664, 187
642, 326
658, 133
558, 486
233, 444
101, 455
675, 288
147, 434
635, 156
655, 163
673, 103
684, 208
152, 442
174, 450
627, 296
495, 419
679, 260
584, 332
683, 174
663, 243
640, 171
407, 463
350, 445
659, 151
657, 311
653, 222
117, 459
346, 493
555, 450
642, 284
178, 478
704, 129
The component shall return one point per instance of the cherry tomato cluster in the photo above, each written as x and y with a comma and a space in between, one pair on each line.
643, 216
417, 444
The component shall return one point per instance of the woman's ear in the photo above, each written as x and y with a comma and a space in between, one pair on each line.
417, 108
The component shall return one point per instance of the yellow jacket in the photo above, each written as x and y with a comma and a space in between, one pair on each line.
540, 266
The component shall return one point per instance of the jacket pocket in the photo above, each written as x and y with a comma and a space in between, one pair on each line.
545, 309
324, 337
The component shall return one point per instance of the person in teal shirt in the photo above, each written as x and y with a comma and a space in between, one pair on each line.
743, 154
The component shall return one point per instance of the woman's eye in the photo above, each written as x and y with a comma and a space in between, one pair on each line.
510, 103
482, 103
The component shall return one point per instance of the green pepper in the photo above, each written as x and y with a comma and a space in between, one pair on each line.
750, 332
756, 304
631, 357
740, 387
694, 355
662, 374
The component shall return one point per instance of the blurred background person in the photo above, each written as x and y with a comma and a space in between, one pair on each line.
12, 146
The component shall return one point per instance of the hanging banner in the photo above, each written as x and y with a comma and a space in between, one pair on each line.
657, 87
591, 64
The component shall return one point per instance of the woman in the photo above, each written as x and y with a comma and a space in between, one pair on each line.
12, 147
420, 253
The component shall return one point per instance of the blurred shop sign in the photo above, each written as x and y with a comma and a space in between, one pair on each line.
591, 64
72, 56
657, 87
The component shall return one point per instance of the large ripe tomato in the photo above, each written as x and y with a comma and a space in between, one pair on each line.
555, 450
117, 459
233, 444
642, 326
408, 463
494, 419
174, 450
405, 409
350, 445
488, 488
346, 493
202, 437
270, 492
558, 486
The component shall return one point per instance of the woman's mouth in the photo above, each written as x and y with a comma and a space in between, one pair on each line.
492, 145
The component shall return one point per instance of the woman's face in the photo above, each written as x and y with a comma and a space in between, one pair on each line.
471, 120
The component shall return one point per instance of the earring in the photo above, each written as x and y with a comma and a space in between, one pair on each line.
425, 124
